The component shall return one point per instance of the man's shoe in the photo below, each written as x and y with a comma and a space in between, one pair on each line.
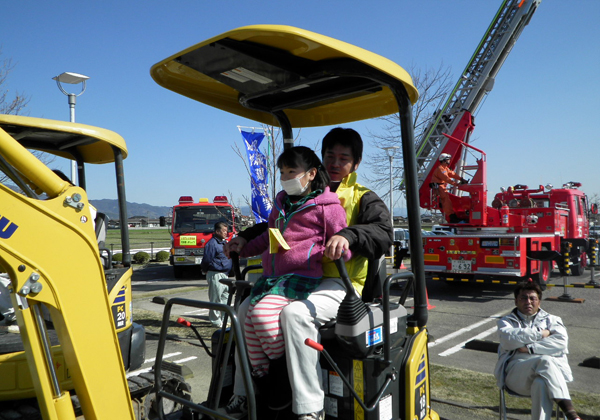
313, 416
237, 406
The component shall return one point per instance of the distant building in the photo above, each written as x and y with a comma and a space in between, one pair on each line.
143, 222
140, 222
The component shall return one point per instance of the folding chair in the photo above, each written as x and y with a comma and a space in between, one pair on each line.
514, 394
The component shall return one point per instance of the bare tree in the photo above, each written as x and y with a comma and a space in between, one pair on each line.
434, 86
9, 104
15, 104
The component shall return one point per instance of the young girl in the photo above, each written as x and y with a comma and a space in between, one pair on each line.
306, 214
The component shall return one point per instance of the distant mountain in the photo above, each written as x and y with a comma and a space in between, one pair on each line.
111, 208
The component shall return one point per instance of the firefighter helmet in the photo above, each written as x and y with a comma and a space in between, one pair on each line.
444, 157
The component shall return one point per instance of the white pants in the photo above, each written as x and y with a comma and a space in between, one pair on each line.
540, 378
300, 320
217, 293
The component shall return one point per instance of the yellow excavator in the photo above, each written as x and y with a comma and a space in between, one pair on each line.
276, 75
290, 78
74, 307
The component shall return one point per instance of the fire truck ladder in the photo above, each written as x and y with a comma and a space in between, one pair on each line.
475, 81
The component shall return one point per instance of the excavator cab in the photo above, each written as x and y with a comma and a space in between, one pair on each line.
74, 309
291, 78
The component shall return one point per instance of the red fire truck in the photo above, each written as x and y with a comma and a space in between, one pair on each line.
520, 236
525, 231
193, 226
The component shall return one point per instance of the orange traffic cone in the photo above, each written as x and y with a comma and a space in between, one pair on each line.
429, 307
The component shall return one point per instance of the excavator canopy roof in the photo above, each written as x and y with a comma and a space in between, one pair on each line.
64, 139
261, 70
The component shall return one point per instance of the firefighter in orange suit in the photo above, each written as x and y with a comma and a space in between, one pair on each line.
443, 176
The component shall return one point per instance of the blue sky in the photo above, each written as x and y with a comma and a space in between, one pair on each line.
538, 125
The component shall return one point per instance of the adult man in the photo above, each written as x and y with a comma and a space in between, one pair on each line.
216, 266
533, 355
442, 176
368, 236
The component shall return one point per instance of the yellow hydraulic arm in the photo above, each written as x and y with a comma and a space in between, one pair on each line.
48, 248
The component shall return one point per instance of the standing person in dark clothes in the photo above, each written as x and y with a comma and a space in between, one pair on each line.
216, 266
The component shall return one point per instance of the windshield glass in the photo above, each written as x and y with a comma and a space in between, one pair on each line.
200, 219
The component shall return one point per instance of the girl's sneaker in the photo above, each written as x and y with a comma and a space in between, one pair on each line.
237, 406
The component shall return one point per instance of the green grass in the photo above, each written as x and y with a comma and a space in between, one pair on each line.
140, 238
479, 390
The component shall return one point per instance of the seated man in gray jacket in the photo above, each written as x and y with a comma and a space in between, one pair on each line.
533, 355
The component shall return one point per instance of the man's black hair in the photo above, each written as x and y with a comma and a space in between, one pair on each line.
220, 225
305, 158
528, 285
346, 137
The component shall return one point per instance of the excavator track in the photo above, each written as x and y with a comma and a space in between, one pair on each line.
141, 389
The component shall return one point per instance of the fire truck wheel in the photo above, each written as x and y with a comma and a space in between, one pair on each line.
578, 263
542, 277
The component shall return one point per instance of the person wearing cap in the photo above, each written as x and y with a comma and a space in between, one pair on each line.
442, 176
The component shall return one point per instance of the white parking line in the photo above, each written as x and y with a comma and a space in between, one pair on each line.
187, 359
460, 346
466, 329
166, 356
144, 370
138, 372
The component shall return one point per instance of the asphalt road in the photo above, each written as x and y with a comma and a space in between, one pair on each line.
459, 313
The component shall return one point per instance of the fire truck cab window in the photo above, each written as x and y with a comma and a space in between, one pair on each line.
192, 220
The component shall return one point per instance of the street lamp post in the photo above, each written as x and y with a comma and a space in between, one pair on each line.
72, 79
391, 150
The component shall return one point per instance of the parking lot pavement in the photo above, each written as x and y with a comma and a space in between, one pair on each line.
459, 314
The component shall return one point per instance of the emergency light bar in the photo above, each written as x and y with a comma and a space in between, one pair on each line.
220, 199
186, 199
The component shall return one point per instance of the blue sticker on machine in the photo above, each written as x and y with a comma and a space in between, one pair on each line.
120, 296
7, 228
374, 336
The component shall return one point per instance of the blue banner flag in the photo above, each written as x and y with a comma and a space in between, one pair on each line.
261, 205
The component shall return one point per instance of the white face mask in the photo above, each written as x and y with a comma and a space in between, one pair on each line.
294, 186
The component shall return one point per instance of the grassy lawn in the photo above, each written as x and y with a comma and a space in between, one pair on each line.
140, 238
479, 390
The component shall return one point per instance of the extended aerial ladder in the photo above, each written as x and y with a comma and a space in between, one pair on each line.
456, 115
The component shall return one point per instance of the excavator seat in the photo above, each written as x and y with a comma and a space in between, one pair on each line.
100, 223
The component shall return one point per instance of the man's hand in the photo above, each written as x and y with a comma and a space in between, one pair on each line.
523, 350
546, 333
336, 246
235, 245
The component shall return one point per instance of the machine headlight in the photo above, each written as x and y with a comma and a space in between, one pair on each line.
179, 251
